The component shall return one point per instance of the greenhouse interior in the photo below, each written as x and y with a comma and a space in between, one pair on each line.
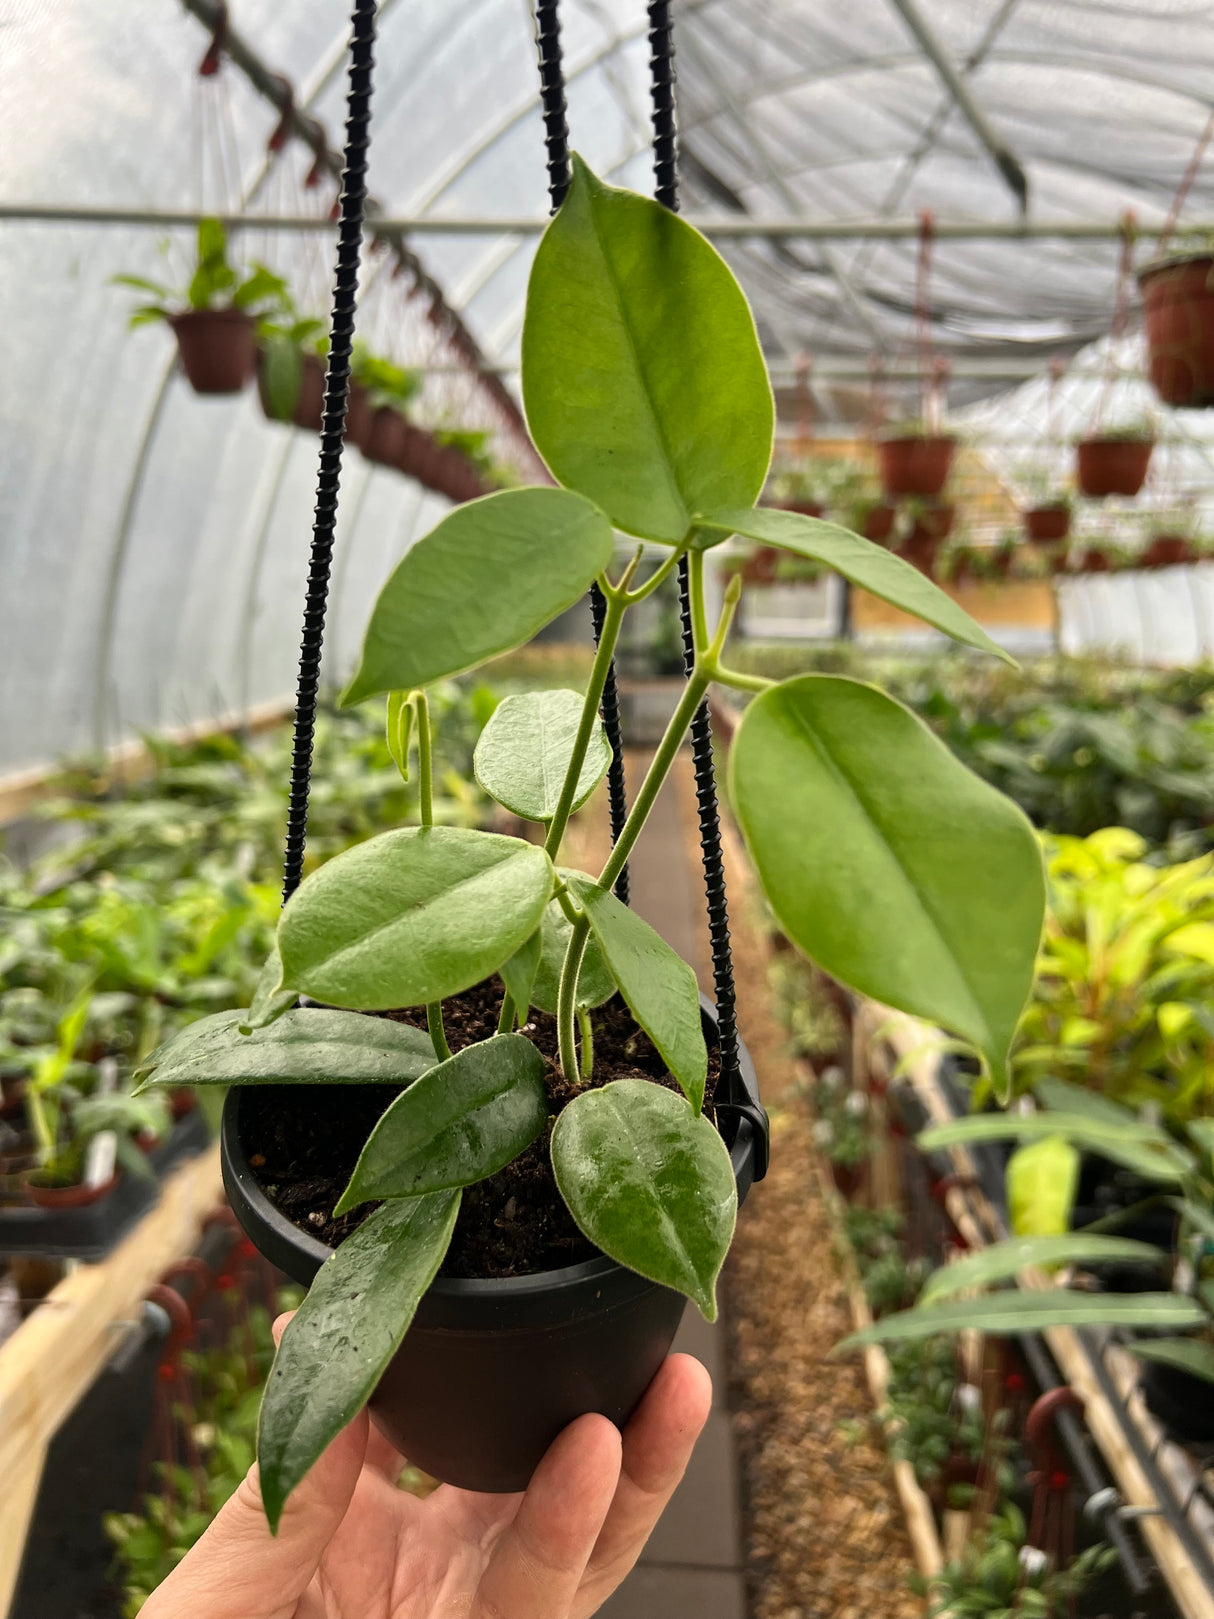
607, 616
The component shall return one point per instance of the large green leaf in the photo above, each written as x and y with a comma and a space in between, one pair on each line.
1041, 1179
892, 865
412, 916
344, 1334
649, 1183
270, 1000
467, 1118
659, 987
1144, 1149
1012, 1312
870, 566
525, 749
595, 983
1005, 1259
643, 378
310, 1046
485, 580
1192, 1355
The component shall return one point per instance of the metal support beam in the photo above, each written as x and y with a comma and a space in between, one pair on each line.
1001, 154
794, 227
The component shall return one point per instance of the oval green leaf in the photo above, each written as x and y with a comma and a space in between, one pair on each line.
1192, 1355
660, 989
398, 729
643, 379
1006, 1259
525, 750
862, 562
344, 1334
1012, 1312
490, 575
466, 1119
649, 1183
412, 916
310, 1046
889, 863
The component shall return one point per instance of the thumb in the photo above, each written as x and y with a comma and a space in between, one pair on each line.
238, 1569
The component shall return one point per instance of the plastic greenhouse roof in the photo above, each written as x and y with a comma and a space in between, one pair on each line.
155, 543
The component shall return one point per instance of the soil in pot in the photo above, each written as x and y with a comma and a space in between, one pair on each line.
1178, 307
1106, 465
915, 465
218, 348
513, 1224
1044, 524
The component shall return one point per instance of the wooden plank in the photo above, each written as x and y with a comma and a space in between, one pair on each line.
16, 1511
54, 1356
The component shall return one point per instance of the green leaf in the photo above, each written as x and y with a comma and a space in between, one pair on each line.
1195, 939
1012, 1312
1149, 1152
344, 1334
1041, 1180
1192, 1355
525, 749
492, 574
281, 375
310, 1046
649, 1183
399, 727
270, 1000
1005, 1259
659, 987
595, 983
466, 1119
1060, 1096
412, 916
870, 566
887, 861
643, 379
518, 973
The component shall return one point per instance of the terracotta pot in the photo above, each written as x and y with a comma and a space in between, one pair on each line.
915, 465
930, 528
385, 438
760, 567
218, 349
458, 477
1093, 561
847, 1178
1046, 523
878, 523
1112, 466
65, 1197
1178, 308
1166, 551
807, 508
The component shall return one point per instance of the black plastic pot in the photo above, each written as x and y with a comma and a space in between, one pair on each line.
491, 1371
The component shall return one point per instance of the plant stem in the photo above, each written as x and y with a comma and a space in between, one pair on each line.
506, 1017
41, 1127
425, 789
566, 1004
583, 1018
616, 608
740, 681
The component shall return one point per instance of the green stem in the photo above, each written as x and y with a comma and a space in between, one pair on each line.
659, 574
590, 713
566, 1003
41, 1128
505, 1021
425, 789
583, 1018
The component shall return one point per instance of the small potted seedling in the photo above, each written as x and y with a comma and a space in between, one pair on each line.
914, 461
1114, 461
1178, 309
214, 319
506, 1149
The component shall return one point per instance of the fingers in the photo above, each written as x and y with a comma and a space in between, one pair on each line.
538, 1563
657, 1446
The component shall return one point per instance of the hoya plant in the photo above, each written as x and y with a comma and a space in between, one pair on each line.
885, 860
215, 283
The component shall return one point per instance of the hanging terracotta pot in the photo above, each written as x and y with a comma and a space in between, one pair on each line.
1094, 561
358, 416
456, 476
218, 348
1178, 306
420, 456
878, 523
807, 508
1166, 551
1044, 524
386, 436
915, 465
759, 568
1107, 465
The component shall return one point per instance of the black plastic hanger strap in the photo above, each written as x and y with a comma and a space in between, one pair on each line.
556, 140
333, 425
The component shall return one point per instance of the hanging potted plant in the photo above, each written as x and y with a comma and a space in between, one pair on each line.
509, 1150
928, 525
387, 389
1178, 311
291, 369
915, 462
1171, 547
215, 318
1115, 461
1048, 521
464, 469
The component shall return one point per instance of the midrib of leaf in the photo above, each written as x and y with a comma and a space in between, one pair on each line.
668, 1227
925, 910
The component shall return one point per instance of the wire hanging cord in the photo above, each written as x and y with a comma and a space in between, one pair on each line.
1121, 315
666, 190
554, 108
337, 389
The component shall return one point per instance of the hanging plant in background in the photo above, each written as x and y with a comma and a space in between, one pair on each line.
215, 317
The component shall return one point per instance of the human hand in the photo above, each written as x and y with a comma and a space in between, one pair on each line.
351, 1545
